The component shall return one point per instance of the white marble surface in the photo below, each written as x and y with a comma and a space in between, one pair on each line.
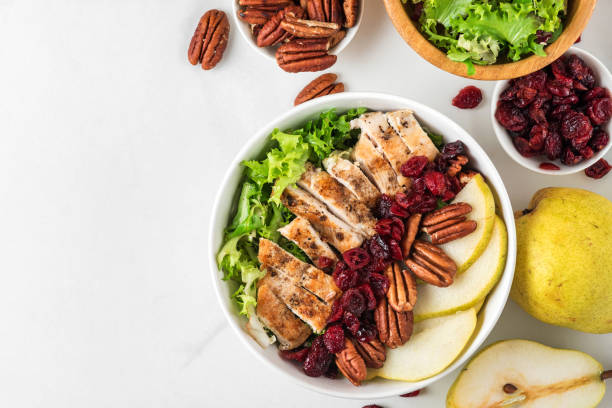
111, 148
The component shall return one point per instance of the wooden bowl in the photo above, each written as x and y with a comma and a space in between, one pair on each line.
579, 12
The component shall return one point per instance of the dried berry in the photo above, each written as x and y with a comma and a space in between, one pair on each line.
383, 206
599, 169
569, 157
596, 93
568, 100
425, 204
558, 68
379, 284
543, 37
414, 166
378, 247
435, 182
367, 332
324, 262
510, 117
336, 313
356, 258
411, 394
537, 136
599, 110
468, 98
537, 114
332, 371
576, 124
522, 145
553, 145
549, 166
334, 339
599, 140
452, 150
586, 152
351, 322
395, 250
390, 227
525, 96
559, 111
296, 355
418, 185
399, 211
580, 71
353, 302
366, 291
318, 359
344, 277
535, 80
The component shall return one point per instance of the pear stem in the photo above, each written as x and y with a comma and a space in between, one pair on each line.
606, 374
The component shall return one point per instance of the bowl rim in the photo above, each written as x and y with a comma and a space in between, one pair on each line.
430, 53
505, 212
269, 53
532, 163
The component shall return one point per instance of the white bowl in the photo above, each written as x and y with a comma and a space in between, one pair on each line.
604, 78
270, 52
226, 200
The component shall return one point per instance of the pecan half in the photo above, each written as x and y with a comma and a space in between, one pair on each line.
272, 33
412, 228
351, 364
446, 213
316, 10
259, 3
456, 164
394, 328
254, 15
351, 11
209, 39
320, 86
308, 28
402, 293
336, 38
453, 232
430, 264
373, 353
334, 12
305, 55
465, 176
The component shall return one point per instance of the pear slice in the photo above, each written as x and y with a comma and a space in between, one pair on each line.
522, 373
470, 287
434, 345
465, 251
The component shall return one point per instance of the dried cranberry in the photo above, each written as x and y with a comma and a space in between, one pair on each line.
383, 206
353, 302
417, 10
558, 68
535, 80
435, 182
379, 284
510, 117
395, 250
334, 339
522, 145
418, 185
569, 157
296, 355
398, 210
599, 140
351, 322
559, 87
378, 247
344, 277
568, 100
390, 227
543, 37
508, 94
324, 262
525, 96
578, 39
426, 203
318, 359
580, 71
575, 124
549, 166
366, 291
537, 114
468, 98
553, 145
336, 312
596, 93
374, 405
599, 110
376, 265
586, 152
453, 149
367, 332
356, 258
411, 394
598, 170
537, 135
414, 166
559, 111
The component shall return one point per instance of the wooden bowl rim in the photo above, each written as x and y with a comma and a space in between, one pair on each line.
410, 33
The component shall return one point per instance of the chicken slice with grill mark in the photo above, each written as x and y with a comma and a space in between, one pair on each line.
351, 177
411, 132
332, 229
386, 140
301, 232
300, 273
375, 166
338, 199
289, 330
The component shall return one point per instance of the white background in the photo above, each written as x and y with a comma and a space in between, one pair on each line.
111, 149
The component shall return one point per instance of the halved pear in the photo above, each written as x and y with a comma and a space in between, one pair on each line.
522, 373
470, 287
465, 251
434, 345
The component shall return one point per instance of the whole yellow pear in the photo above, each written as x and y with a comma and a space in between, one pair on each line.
564, 259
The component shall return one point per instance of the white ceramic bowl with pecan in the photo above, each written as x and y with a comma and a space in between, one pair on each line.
270, 52
603, 79
226, 200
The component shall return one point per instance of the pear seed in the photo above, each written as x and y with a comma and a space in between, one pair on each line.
509, 388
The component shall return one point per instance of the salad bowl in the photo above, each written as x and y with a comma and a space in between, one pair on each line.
225, 203
578, 15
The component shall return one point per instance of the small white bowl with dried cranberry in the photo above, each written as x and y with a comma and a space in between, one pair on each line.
557, 120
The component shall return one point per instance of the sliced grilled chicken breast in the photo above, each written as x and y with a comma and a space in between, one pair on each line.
351, 177
375, 166
333, 230
386, 140
406, 125
338, 199
300, 273
301, 302
308, 240
289, 330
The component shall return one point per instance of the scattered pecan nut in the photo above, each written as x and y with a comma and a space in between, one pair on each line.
255, 15
308, 28
320, 86
446, 213
453, 232
272, 32
430, 264
465, 176
402, 293
209, 39
373, 353
394, 328
412, 228
351, 12
305, 55
351, 364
